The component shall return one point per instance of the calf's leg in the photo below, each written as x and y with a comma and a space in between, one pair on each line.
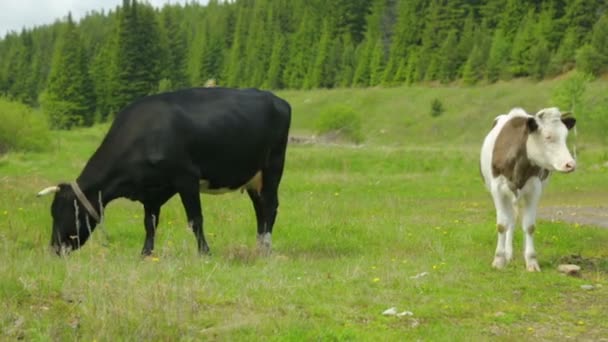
505, 223
532, 193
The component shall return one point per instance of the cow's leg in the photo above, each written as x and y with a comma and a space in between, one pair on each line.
271, 177
151, 217
533, 190
152, 204
258, 206
192, 204
505, 222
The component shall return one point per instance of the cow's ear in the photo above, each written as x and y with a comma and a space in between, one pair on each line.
569, 122
532, 124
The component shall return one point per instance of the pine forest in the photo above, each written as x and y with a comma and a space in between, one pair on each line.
84, 71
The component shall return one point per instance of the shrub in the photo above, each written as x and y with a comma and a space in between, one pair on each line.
436, 108
22, 129
61, 114
342, 120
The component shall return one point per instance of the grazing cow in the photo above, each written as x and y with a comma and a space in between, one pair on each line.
209, 140
516, 158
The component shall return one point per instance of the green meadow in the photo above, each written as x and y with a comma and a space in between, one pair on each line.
402, 220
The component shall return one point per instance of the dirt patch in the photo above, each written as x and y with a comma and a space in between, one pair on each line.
334, 138
583, 215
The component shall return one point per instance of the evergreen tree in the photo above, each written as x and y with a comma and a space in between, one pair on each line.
592, 58
472, 71
136, 68
449, 59
521, 58
175, 67
69, 98
466, 42
498, 56
300, 57
318, 76
347, 62
408, 29
563, 60
367, 50
23, 86
101, 70
234, 67
377, 64
274, 79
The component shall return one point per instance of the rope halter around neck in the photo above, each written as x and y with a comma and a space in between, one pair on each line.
85, 202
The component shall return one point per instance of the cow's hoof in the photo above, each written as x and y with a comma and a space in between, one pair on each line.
532, 266
499, 262
265, 244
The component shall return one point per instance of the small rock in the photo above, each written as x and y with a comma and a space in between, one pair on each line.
420, 275
390, 312
569, 269
499, 314
587, 287
405, 313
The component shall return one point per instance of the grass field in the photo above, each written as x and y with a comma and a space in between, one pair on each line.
402, 221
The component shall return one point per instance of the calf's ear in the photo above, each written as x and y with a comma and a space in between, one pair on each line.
569, 122
532, 124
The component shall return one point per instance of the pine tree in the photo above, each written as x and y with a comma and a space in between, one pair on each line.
347, 62
23, 87
563, 60
471, 72
102, 71
592, 58
300, 56
136, 69
277, 64
175, 68
411, 72
376, 64
449, 59
520, 60
234, 68
69, 98
318, 76
408, 29
367, 50
498, 56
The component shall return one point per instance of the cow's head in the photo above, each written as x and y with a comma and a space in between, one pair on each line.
546, 144
72, 225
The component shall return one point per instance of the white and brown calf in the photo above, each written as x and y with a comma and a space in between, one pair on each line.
517, 157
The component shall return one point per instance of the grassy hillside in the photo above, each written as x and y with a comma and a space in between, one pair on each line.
402, 221
401, 116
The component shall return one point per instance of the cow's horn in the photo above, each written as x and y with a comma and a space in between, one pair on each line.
48, 190
564, 114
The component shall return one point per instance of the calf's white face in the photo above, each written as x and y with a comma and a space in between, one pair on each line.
546, 144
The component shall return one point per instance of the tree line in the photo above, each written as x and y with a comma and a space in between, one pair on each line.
82, 72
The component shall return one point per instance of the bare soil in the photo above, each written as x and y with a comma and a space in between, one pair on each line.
583, 215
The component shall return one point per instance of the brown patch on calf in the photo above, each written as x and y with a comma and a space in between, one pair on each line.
510, 159
500, 228
531, 229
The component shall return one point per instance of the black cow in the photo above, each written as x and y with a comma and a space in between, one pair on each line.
209, 140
